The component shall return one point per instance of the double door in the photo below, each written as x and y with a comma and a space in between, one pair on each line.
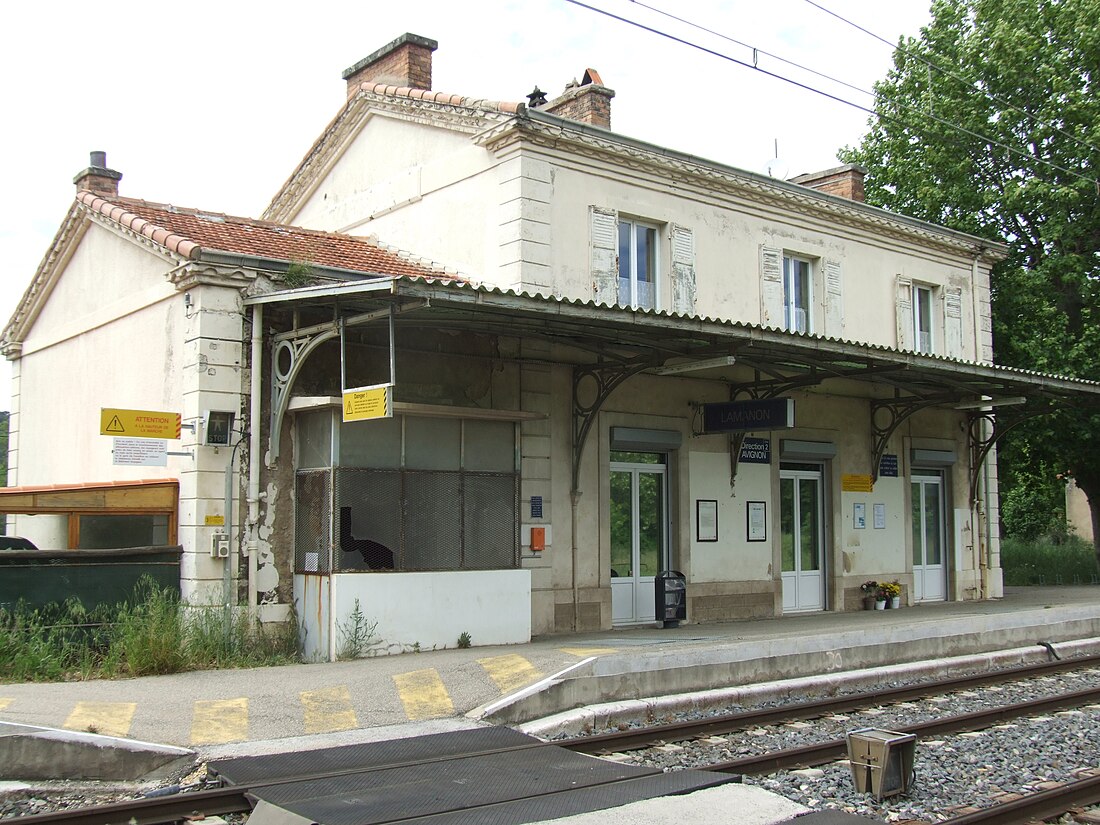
802, 532
639, 533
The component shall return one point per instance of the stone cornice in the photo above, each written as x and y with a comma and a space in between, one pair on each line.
696, 173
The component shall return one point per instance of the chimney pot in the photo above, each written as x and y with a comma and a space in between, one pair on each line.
97, 178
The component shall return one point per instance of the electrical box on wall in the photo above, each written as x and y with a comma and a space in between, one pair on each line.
217, 427
219, 546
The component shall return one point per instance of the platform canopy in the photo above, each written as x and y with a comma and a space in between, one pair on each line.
745, 355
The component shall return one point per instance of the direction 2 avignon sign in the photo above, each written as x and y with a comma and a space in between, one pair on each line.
749, 416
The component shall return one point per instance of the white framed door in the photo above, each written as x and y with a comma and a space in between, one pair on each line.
802, 533
929, 536
639, 533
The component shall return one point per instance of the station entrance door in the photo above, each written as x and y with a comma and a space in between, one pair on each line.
639, 533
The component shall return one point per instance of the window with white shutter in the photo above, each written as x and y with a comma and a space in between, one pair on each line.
683, 270
604, 254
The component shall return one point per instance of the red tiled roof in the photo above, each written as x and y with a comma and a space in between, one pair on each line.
187, 232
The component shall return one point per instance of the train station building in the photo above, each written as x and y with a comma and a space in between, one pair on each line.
493, 368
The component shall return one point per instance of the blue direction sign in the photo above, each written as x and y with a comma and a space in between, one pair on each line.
742, 416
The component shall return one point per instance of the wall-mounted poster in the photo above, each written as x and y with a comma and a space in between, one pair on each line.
706, 520
757, 525
880, 516
859, 515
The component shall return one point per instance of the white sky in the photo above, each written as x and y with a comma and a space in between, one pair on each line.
212, 104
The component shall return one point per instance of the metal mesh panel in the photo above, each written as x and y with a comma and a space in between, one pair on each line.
312, 521
368, 513
433, 520
412, 519
490, 521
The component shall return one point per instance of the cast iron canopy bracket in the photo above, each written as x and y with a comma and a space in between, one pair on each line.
756, 391
895, 412
587, 402
986, 428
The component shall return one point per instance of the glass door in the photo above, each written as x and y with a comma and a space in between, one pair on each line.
929, 537
639, 533
802, 534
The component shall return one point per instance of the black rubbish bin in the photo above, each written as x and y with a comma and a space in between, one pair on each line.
670, 597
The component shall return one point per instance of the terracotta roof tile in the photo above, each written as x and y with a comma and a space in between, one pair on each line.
187, 232
441, 97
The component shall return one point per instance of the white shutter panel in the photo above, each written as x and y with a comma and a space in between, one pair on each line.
771, 287
834, 308
683, 270
952, 322
905, 313
604, 255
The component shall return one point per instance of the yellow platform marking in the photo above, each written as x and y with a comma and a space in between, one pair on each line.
510, 672
588, 651
328, 710
5, 702
217, 721
423, 695
107, 718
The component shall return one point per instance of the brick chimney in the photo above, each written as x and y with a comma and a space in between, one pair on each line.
843, 181
588, 101
407, 62
97, 178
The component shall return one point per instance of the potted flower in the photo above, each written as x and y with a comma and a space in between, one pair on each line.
890, 592
869, 589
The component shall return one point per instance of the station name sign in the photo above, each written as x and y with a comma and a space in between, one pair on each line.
749, 416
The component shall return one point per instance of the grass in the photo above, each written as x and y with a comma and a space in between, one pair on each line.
1048, 561
153, 633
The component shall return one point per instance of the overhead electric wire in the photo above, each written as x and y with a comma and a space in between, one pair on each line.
755, 50
942, 121
970, 84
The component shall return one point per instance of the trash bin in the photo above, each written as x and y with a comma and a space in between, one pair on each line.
670, 597
881, 760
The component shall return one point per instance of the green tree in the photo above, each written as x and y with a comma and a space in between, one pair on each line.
989, 123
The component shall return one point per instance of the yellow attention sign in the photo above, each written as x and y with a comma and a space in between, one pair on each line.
139, 423
367, 402
852, 483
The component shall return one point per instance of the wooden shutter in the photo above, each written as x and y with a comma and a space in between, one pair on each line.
905, 313
683, 270
834, 306
952, 322
604, 254
771, 287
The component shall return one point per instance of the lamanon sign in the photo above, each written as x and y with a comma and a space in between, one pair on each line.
749, 416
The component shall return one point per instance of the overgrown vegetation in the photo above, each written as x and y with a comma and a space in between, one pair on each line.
151, 634
356, 634
1050, 560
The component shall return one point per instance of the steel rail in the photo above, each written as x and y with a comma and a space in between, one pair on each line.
828, 751
646, 737
1036, 806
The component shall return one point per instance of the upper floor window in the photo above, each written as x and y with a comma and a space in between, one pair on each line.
922, 319
797, 294
637, 264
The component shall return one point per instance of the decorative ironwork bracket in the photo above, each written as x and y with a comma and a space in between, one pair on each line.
291, 349
607, 378
897, 410
985, 428
756, 391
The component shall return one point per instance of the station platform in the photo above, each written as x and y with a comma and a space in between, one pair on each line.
552, 683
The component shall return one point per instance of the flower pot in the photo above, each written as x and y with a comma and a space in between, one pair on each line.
880, 604
895, 602
868, 602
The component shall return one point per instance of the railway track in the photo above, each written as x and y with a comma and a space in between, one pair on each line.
239, 799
